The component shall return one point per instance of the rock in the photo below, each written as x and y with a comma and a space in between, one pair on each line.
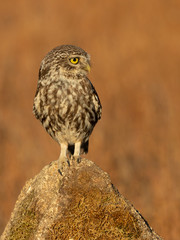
81, 204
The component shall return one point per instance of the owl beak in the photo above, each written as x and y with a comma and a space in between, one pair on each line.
88, 68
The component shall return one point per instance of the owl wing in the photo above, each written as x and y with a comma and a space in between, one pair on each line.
97, 103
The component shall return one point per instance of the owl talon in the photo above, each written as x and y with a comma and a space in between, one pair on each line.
62, 163
78, 159
59, 171
68, 162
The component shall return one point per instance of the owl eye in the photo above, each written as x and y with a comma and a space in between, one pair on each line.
74, 60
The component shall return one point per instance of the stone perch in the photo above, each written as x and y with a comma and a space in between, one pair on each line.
81, 204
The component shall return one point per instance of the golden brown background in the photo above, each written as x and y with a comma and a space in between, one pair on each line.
135, 51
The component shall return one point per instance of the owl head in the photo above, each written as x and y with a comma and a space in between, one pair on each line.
66, 61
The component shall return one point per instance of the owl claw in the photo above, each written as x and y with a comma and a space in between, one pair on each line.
62, 164
59, 171
68, 162
78, 159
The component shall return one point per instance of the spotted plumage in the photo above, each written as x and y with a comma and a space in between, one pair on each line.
66, 102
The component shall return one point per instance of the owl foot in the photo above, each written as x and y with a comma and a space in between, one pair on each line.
63, 160
62, 163
77, 158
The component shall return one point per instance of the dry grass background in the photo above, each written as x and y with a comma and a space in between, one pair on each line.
135, 51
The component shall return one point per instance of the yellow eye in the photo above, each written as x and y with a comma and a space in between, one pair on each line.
74, 60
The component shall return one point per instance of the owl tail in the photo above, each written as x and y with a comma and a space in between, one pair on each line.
84, 147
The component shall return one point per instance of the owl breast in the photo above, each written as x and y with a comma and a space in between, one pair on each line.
68, 109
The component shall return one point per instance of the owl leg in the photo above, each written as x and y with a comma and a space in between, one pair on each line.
63, 157
77, 151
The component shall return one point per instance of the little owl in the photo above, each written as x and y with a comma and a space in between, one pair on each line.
66, 102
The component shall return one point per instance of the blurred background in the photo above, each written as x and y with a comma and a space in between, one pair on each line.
135, 52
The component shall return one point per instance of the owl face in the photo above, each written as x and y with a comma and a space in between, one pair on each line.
79, 63
75, 61
75, 64
66, 60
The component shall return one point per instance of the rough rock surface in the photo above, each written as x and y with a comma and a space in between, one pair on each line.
81, 204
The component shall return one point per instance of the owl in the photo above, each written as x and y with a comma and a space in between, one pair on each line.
66, 103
